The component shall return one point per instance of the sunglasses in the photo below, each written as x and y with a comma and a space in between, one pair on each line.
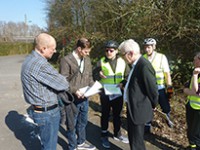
110, 50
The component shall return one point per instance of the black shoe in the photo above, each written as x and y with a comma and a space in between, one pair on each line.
147, 129
105, 142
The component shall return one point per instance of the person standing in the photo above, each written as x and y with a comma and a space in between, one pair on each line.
41, 83
77, 69
140, 93
111, 70
160, 64
193, 107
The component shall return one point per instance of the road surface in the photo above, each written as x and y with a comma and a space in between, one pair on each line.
16, 133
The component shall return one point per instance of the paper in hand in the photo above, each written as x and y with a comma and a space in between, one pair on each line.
94, 89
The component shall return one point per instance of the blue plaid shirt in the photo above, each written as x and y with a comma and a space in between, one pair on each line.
40, 81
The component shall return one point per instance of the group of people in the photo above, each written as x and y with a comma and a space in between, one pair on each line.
142, 80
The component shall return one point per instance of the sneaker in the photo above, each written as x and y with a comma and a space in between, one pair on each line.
122, 139
85, 146
105, 142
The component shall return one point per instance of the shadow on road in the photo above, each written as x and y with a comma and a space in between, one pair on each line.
153, 139
93, 136
162, 143
23, 130
62, 141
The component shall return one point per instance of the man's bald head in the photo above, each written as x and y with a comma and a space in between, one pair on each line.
43, 40
45, 45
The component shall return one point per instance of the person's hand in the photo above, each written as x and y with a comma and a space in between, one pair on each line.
196, 71
79, 94
154, 109
120, 85
101, 74
170, 92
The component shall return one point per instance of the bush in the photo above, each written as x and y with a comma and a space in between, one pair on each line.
10, 48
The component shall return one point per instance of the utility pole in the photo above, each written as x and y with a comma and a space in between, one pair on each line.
26, 31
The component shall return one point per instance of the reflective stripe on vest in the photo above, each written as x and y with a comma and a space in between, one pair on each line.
194, 100
157, 64
113, 77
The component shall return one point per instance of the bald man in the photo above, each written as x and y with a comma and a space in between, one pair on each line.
41, 83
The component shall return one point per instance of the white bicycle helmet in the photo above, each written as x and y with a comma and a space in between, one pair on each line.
149, 41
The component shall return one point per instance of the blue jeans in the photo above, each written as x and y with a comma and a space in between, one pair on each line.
48, 126
164, 101
78, 135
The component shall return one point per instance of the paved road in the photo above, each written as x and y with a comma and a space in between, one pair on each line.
15, 132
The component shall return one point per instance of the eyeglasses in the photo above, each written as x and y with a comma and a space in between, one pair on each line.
123, 54
110, 50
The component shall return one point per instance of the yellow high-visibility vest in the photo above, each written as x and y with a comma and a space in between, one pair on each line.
113, 77
157, 65
194, 100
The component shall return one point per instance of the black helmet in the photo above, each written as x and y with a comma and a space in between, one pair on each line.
111, 44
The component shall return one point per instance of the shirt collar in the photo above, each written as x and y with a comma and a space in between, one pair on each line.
150, 58
76, 56
135, 62
36, 54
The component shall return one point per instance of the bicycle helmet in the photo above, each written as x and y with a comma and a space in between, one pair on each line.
111, 44
149, 41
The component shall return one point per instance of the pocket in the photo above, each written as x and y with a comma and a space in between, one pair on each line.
39, 118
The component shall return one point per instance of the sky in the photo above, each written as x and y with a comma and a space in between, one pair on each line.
17, 10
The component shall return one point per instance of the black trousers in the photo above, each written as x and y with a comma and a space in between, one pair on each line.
116, 106
164, 101
193, 125
135, 135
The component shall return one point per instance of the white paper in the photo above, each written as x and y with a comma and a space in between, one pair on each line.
112, 89
94, 89
112, 97
84, 89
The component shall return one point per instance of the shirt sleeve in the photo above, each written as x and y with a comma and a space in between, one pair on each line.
165, 64
96, 70
50, 77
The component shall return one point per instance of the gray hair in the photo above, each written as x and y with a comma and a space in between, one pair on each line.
129, 45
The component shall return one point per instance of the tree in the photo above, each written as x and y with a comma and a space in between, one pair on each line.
10, 30
173, 23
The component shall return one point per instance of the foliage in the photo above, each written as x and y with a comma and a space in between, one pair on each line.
174, 24
10, 48
17, 38
11, 31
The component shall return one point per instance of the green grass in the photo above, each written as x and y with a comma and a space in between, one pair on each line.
10, 48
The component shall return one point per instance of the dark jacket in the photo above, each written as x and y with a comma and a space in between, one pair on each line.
68, 109
143, 92
70, 69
